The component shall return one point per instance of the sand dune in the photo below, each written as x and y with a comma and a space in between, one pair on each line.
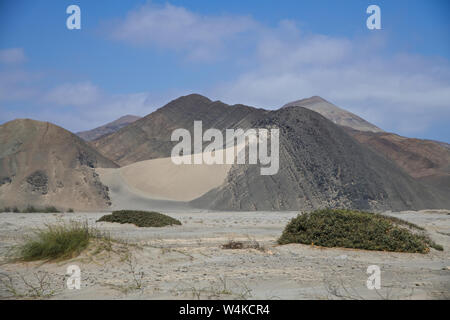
161, 179
124, 196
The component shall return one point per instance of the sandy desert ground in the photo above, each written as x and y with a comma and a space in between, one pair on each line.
188, 261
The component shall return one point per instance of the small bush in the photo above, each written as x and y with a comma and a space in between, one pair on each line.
70, 210
140, 218
243, 245
51, 209
29, 209
60, 241
233, 245
355, 229
435, 246
48, 209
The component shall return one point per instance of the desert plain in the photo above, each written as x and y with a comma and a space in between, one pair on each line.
189, 261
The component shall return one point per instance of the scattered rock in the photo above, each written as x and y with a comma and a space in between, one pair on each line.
38, 181
5, 180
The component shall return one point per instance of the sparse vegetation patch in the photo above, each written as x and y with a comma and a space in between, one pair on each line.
48, 209
58, 241
9, 209
31, 209
232, 244
140, 218
356, 229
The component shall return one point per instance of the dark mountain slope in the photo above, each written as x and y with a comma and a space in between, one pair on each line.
320, 166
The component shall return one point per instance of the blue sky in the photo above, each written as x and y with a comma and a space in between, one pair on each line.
131, 57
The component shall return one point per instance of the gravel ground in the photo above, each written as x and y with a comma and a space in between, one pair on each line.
188, 261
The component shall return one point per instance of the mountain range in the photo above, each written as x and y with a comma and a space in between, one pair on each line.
108, 128
329, 157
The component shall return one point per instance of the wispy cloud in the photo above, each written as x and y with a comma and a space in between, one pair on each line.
12, 56
74, 94
201, 37
18, 85
75, 106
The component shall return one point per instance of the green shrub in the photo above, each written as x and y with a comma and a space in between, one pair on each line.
48, 209
140, 218
435, 246
70, 210
58, 241
16, 210
29, 209
51, 209
355, 229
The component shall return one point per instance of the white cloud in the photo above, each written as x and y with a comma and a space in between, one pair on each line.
200, 37
16, 85
74, 106
12, 56
76, 94
285, 47
89, 106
